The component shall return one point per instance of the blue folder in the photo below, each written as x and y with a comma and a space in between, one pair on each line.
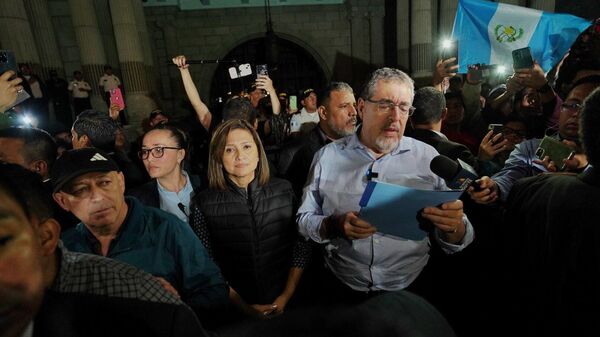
393, 209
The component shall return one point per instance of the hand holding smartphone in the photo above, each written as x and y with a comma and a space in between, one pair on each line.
522, 58
8, 63
556, 150
116, 97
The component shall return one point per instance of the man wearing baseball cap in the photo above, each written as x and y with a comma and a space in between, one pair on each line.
89, 184
308, 114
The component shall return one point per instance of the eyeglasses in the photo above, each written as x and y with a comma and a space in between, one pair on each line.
570, 107
387, 106
157, 152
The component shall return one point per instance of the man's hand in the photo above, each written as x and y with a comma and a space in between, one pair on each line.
167, 286
448, 218
180, 62
347, 225
114, 110
444, 69
264, 311
532, 77
514, 85
265, 83
488, 191
9, 89
491, 146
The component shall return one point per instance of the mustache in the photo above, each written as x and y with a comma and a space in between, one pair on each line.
352, 121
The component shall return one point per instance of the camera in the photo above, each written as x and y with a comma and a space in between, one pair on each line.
3, 57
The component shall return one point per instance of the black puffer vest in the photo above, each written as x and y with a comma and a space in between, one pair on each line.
252, 236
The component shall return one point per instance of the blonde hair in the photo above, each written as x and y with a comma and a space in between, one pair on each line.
216, 171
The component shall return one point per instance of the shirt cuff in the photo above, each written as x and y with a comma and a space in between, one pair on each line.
312, 229
467, 239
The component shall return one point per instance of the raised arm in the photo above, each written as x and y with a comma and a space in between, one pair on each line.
202, 113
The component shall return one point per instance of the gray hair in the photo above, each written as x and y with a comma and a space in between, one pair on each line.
387, 75
325, 96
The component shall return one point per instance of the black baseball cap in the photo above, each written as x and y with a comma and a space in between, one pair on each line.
305, 93
74, 163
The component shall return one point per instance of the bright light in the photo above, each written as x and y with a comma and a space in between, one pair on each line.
446, 43
501, 69
27, 120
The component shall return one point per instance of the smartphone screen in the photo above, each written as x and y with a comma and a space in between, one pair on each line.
522, 58
116, 97
293, 103
261, 69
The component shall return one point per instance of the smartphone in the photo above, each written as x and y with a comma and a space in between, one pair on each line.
522, 58
262, 69
9, 62
497, 128
293, 102
233, 74
475, 73
116, 97
556, 150
449, 50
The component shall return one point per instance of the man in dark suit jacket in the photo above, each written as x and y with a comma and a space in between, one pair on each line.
550, 271
337, 119
430, 110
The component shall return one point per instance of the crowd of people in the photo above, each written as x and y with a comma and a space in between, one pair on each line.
247, 221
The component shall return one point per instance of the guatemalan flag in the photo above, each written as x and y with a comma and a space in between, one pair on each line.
487, 32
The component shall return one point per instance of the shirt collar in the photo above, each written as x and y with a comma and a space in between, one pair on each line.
164, 190
129, 232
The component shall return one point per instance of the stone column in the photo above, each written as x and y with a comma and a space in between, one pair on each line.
15, 33
107, 34
403, 34
140, 20
90, 45
131, 56
544, 5
447, 15
376, 13
43, 32
422, 60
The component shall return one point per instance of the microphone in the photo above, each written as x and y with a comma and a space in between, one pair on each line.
182, 208
457, 174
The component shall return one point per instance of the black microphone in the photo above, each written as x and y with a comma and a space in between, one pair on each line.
182, 208
457, 174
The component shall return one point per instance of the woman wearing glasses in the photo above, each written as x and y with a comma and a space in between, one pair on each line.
246, 221
163, 151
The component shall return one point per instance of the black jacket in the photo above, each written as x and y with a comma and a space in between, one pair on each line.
296, 158
444, 146
252, 235
148, 192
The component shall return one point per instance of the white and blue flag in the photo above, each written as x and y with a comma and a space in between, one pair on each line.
487, 32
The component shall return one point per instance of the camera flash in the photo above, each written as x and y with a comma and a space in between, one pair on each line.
501, 69
446, 43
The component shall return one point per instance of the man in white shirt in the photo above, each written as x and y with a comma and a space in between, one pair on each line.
362, 259
81, 92
108, 82
308, 114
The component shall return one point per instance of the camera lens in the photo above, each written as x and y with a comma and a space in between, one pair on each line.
539, 153
3, 57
